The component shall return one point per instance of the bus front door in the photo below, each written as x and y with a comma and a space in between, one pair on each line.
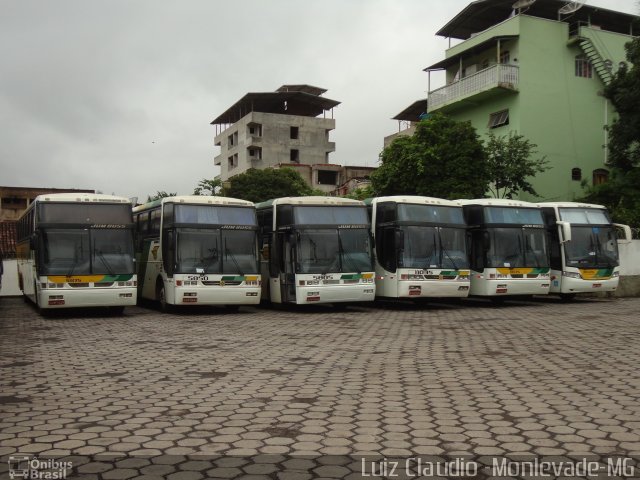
288, 276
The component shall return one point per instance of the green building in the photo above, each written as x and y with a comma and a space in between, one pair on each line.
537, 68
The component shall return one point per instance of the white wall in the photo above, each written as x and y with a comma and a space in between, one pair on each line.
10, 279
629, 258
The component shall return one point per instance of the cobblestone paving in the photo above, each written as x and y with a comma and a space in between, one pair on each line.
299, 393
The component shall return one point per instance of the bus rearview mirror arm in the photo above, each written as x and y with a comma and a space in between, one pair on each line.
565, 227
627, 232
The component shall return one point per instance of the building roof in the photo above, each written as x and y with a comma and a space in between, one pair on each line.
482, 14
32, 192
302, 88
412, 112
301, 100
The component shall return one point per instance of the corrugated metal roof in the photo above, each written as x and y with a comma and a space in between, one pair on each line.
482, 14
286, 103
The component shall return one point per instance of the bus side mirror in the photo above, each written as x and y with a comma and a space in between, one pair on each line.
399, 240
626, 231
565, 228
486, 241
33, 241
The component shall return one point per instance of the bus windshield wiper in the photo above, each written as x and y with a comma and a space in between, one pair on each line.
227, 251
100, 255
344, 257
446, 252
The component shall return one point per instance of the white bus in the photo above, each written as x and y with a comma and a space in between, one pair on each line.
316, 250
509, 253
420, 247
76, 250
197, 250
583, 247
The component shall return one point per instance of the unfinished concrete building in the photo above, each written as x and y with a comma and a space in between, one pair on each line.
287, 128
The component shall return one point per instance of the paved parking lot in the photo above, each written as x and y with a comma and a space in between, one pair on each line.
207, 393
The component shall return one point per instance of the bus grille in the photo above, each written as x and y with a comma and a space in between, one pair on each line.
225, 283
79, 285
103, 284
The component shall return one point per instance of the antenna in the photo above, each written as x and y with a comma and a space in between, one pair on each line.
571, 7
522, 4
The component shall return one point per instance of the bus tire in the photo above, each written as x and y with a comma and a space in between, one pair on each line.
161, 296
567, 297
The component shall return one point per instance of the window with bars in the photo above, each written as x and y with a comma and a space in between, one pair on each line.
584, 68
499, 119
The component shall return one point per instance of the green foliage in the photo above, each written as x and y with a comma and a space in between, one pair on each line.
361, 193
510, 164
624, 94
160, 194
621, 193
208, 187
260, 185
443, 158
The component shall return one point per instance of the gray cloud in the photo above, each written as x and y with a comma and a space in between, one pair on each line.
118, 95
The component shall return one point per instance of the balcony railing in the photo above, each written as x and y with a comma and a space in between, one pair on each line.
503, 76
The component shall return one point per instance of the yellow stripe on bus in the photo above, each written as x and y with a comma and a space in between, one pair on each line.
515, 271
75, 278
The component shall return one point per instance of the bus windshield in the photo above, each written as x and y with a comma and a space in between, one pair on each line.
215, 215
433, 247
514, 215
408, 212
517, 247
592, 247
84, 251
331, 215
334, 250
216, 251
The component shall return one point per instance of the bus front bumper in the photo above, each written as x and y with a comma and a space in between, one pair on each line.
578, 285
86, 297
435, 288
335, 294
216, 295
508, 287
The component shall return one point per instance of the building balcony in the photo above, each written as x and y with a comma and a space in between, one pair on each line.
493, 80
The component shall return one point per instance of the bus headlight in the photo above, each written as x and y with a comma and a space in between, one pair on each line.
571, 274
615, 274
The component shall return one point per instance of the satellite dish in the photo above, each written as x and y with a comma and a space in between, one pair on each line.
522, 4
571, 7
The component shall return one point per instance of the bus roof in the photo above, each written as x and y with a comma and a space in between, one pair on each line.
499, 202
311, 200
415, 199
571, 205
81, 197
195, 200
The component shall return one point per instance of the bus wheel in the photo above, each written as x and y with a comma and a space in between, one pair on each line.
498, 301
117, 311
567, 297
162, 298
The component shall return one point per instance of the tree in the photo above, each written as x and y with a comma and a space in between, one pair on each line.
208, 187
260, 185
621, 193
510, 164
160, 194
361, 193
443, 158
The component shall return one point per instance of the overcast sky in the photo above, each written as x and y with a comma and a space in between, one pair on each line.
118, 95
